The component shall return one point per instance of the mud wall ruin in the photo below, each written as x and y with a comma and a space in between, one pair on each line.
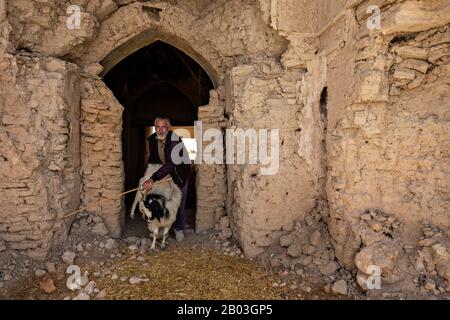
363, 118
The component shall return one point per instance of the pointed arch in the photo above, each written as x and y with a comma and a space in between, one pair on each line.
148, 37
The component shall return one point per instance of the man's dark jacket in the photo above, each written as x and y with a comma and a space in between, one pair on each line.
178, 172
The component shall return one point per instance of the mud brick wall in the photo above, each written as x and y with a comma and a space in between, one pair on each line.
40, 151
363, 116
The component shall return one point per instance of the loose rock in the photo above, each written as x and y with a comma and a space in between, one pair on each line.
68, 257
340, 287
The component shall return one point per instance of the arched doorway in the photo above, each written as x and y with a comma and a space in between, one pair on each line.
157, 79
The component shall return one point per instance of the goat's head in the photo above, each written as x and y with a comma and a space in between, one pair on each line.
153, 207
146, 213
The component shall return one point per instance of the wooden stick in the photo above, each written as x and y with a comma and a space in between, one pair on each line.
117, 195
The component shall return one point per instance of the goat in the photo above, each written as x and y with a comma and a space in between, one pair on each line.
160, 207
141, 193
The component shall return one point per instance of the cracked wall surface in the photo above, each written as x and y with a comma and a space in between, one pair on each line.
392, 137
263, 207
363, 118
101, 154
40, 151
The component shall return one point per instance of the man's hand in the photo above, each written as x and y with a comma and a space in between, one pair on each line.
148, 185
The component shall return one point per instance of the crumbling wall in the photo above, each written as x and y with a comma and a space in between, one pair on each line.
5, 29
40, 116
40, 154
211, 177
385, 129
101, 155
264, 207
282, 15
362, 115
324, 67
218, 35
388, 148
226, 33
41, 26
222, 35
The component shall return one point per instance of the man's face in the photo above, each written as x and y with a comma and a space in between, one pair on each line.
161, 127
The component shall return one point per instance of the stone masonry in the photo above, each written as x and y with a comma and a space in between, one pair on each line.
363, 114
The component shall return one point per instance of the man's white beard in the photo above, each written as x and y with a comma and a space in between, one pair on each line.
161, 137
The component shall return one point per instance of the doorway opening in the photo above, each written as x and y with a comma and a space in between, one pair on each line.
158, 79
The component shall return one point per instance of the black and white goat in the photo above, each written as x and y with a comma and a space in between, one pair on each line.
159, 208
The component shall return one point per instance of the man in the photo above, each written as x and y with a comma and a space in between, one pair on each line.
168, 149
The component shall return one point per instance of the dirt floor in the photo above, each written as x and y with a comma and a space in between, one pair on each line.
200, 267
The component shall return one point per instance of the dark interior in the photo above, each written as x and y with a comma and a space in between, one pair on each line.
156, 80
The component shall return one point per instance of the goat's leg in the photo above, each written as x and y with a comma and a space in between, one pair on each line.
137, 198
155, 234
163, 244
133, 207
